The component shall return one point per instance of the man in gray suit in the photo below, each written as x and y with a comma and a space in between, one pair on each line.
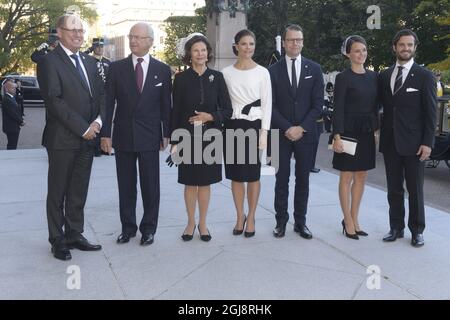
73, 93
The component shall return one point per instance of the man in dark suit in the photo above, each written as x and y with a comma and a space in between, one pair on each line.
11, 114
408, 95
73, 94
298, 87
140, 88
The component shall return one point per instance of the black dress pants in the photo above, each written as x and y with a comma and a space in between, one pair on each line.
69, 173
398, 169
150, 189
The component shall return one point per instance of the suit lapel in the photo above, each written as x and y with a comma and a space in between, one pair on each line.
68, 62
150, 75
131, 76
304, 73
285, 75
410, 76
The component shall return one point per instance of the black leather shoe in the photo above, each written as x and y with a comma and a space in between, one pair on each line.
393, 235
248, 234
417, 240
147, 239
303, 231
315, 170
61, 252
237, 232
125, 238
188, 237
81, 243
204, 237
279, 231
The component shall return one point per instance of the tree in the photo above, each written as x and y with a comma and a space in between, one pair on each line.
24, 25
179, 27
327, 23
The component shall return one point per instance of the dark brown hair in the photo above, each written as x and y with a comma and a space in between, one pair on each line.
239, 36
291, 27
403, 33
351, 40
188, 46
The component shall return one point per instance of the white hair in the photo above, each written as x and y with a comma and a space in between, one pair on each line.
150, 32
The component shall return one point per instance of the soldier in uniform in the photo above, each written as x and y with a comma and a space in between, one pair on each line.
97, 50
46, 47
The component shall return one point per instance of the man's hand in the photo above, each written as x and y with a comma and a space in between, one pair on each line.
96, 127
295, 133
90, 135
23, 123
263, 140
201, 117
164, 143
42, 46
424, 152
106, 145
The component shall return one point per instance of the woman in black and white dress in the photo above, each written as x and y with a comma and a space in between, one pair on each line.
250, 91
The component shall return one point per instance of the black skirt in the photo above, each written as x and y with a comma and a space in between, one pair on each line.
364, 158
201, 174
245, 165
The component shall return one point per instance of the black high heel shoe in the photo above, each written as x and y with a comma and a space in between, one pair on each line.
361, 233
188, 237
353, 236
204, 237
237, 232
248, 234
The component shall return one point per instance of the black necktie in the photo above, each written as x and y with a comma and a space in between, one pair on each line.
79, 69
294, 78
398, 80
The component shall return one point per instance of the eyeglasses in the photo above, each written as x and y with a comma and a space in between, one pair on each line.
131, 37
75, 31
298, 40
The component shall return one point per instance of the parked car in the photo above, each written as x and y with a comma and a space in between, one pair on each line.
30, 88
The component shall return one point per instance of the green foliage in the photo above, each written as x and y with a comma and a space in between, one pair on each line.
24, 25
328, 22
179, 27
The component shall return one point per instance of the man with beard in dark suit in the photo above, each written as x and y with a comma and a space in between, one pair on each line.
73, 93
408, 95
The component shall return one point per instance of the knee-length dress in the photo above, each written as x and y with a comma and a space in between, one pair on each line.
355, 115
202, 93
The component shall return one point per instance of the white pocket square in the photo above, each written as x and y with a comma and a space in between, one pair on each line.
411, 90
159, 84
308, 77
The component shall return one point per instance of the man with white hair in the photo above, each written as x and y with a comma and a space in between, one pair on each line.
139, 87
11, 114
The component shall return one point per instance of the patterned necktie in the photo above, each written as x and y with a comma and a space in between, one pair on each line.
80, 70
139, 74
398, 80
294, 78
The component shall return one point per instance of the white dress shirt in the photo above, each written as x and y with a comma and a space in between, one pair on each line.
247, 86
144, 64
298, 67
406, 68
69, 53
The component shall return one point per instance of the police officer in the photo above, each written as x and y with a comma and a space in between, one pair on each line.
46, 47
97, 50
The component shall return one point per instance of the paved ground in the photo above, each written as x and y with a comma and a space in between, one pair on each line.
328, 267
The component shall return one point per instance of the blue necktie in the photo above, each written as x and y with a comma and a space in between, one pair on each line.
80, 70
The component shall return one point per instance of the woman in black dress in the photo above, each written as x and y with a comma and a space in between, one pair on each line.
200, 102
355, 115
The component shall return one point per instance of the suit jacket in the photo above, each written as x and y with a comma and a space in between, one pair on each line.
303, 109
70, 108
11, 114
141, 119
409, 116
